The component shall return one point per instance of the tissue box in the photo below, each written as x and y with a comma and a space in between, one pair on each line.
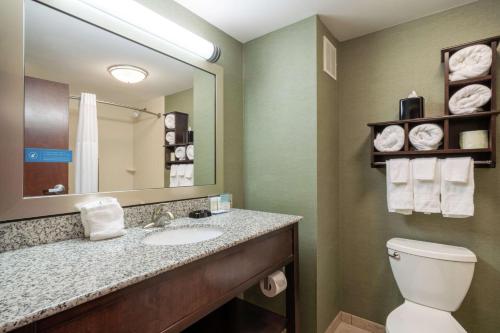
411, 108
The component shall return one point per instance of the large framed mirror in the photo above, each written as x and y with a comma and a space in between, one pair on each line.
92, 106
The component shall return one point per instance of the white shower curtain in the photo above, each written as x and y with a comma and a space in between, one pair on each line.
87, 149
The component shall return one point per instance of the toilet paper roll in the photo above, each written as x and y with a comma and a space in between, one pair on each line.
276, 284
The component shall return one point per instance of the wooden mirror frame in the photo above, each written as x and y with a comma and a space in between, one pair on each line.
13, 205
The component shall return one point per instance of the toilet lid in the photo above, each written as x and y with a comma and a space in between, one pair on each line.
415, 318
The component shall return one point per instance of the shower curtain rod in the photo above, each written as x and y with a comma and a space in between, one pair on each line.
122, 106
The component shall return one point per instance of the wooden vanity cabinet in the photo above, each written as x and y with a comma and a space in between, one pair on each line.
172, 301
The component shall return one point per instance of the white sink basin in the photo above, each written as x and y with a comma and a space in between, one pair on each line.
186, 235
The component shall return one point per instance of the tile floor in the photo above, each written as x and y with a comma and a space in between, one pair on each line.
346, 328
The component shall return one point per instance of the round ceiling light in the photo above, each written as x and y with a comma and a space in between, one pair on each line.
128, 73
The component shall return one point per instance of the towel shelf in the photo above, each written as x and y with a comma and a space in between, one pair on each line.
452, 125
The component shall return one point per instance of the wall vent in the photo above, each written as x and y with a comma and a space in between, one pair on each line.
329, 58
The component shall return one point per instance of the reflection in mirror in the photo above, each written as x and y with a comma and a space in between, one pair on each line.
103, 113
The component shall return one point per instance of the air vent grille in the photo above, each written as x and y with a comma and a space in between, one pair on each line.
329, 58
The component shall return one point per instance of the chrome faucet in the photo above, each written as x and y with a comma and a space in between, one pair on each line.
159, 218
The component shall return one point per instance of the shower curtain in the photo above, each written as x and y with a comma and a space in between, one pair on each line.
86, 149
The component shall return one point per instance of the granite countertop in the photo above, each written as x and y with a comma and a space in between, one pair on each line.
39, 281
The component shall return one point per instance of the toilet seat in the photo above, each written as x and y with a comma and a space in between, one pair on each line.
414, 318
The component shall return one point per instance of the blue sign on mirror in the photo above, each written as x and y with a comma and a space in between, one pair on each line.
47, 155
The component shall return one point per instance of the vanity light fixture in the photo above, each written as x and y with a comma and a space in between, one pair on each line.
143, 18
128, 73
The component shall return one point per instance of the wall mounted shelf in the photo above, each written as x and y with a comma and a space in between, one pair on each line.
452, 125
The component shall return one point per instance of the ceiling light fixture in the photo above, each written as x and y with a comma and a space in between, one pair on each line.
128, 73
145, 19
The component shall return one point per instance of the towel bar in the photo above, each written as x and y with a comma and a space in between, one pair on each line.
475, 163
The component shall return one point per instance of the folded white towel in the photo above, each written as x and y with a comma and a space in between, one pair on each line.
457, 198
399, 195
170, 121
400, 170
424, 168
170, 138
426, 185
190, 152
457, 169
392, 138
188, 179
470, 62
180, 153
173, 175
469, 99
102, 218
426, 136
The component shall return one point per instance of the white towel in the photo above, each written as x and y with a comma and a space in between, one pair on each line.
102, 218
457, 198
426, 185
190, 152
188, 179
173, 175
170, 138
399, 195
180, 153
392, 138
470, 62
457, 169
170, 121
426, 136
469, 99
400, 170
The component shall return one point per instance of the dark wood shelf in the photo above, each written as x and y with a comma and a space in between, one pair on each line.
451, 124
239, 316
178, 145
180, 162
435, 119
481, 79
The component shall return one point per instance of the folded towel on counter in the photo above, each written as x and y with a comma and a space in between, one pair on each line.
426, 185
392, 138
102, 218
470, 62
426, 136
180, 153
170, 138
469, 99
399, 195
190, 152
170, 121
457, 197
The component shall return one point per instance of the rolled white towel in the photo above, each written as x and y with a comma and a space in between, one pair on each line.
180, 153
170, 138
469, 99
392, 138
426, 136
470, 62
170, 121
190, 152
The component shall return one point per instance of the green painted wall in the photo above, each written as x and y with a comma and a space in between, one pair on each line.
280, 139
181, 101
231, 60
290, 116
328, 275
375, 72
204, 128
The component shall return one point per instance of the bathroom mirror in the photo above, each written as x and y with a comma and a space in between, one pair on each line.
92, 105
103, 113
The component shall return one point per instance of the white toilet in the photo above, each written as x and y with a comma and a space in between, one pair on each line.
434, 279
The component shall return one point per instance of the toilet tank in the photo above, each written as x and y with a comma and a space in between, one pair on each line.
431, 274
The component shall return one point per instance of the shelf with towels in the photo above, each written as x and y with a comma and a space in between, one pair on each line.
451, 124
